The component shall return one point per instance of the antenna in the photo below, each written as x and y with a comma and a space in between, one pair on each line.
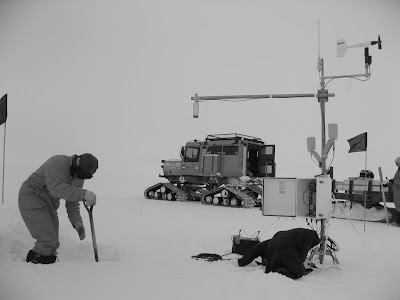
320, 62
319, 49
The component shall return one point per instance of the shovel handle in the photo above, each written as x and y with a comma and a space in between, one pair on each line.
88, 208
90, 212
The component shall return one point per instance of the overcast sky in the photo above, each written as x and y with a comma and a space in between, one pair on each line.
114, 78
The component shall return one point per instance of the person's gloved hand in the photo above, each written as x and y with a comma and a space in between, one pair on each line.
80, 229
90, 198
388, 184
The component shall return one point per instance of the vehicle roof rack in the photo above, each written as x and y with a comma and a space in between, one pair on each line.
230, 136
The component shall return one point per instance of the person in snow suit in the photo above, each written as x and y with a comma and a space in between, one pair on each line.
61, 176
285, 253
395, 186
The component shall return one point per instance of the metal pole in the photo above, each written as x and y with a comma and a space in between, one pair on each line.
366, 74
323, 160
322, 98
365, 188
323, 170
383, 196
323, 137
238, 97
4, 159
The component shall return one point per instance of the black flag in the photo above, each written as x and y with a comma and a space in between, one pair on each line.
3, 109
358, 143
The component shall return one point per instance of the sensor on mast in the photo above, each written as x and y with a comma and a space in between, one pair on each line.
341, 46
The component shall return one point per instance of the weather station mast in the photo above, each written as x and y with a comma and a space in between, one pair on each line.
322, 95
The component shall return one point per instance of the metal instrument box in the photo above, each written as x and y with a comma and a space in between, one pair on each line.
297, 197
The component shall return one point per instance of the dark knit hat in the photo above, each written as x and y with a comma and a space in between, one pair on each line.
88, 164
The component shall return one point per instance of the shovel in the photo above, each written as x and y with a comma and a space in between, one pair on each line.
90, 212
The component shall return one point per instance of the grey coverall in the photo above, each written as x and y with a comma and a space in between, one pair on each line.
39, 199
396, 190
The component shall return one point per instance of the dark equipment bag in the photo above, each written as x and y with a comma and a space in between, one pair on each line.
241, 244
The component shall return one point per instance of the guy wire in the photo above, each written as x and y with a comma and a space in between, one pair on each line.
270, 226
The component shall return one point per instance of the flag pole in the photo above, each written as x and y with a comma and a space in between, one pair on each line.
4, 159
365, 188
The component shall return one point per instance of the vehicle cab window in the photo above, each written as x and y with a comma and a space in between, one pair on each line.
231, 150
214, 150
192, 154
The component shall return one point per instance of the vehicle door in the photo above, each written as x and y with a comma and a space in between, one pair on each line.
266, 161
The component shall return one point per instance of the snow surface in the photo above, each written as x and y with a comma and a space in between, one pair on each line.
145, 249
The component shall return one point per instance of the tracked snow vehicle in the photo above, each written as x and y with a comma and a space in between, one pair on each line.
224, 169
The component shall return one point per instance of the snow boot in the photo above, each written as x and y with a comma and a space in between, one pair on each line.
35, 258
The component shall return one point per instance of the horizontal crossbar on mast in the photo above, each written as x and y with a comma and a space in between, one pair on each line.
197, 98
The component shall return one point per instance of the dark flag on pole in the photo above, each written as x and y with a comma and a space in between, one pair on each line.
3, 109
358, 143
